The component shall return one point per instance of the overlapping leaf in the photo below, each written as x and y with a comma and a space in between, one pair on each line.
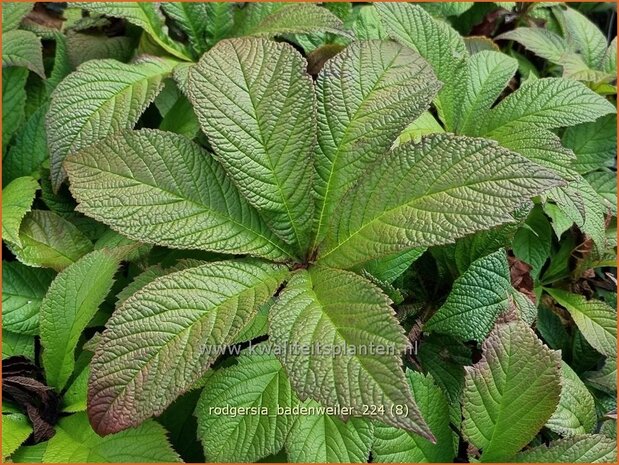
17, 198
595, 448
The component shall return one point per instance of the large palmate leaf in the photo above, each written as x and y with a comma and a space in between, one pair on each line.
85, 108
50, 241
477, 298
186, 202
431, 193
258, 383
76, 442
145, 15
337, 337
437, 42
575, 413
71, 302
487, 74
510, 393
23, 289
17, 198
547, 103
594, 448
323, 438
22, 48
256, 104
188, 317
596, 319
397, 446
367, 94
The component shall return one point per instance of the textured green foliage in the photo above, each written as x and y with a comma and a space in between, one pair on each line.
17, 200
13, 101
260, 120
510, 393
477, 298
86, 108
361, 110
23, 289
216, 219
71, 302
15, 430
396, 446
412, 209
50, 241
596, 320
75, 441
315, 308
595, 448
594, 144
188, 316
22, 48
257, 382
13, 13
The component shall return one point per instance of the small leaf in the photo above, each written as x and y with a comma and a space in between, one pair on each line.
23, 289
533, 241
188, 202
510, 393
430, 193
85, 108
23, 48
17, 200
255, 103
74, 399
348, 317
541, 41
477, 298
49, 241
75, 442
316, 438
584, 36
259, 384
189, 316
596, 319
71, 302
397, 446
15, 430
193, 19
575, 413
594, 448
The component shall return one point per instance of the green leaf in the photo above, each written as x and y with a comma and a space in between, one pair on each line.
71, 302
367, 94
477, 298
13, 13
575, 413
300, 18
322, 438
595, 448
74, 399
604, 379
547, 103
596, 319
437, 42
23, 48
17, 200
17, 344
75, 442
510, 393
610, 58
445, 9
397, 446
15, 430
49, 241
23, 289
255, 103
487, 75
188, 317
584, 36
29, 150
142, 14
360, 359
221, 21
605, 184
259, 384
30, 454
443, 188
13, 101
85, 47
541, 41
85, 108
594, 144
367, 25
424, 125
533, 241
188, 202
387, 269
193, 20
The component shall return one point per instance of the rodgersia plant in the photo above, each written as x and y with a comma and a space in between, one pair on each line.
306, 194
